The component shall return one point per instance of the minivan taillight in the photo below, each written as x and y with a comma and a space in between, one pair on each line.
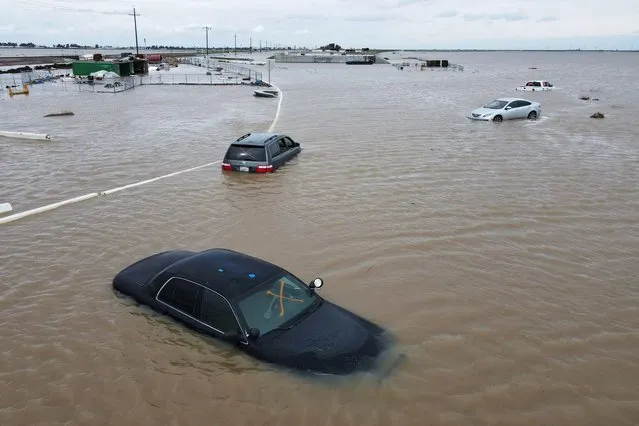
264, 169
226, 166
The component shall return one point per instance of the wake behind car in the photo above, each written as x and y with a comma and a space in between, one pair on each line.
507, 109
260, 152
258, 306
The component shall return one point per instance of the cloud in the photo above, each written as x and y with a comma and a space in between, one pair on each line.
392, 4
374, 17
375, 23
447, 14
495, 17
402, 3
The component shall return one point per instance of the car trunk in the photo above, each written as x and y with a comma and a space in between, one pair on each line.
131, 279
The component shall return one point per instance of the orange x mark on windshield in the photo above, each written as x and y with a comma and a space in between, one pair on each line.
282, 297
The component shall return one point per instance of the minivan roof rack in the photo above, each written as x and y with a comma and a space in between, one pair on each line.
243, 137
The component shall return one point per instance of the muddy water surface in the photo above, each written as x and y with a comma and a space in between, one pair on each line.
504, 257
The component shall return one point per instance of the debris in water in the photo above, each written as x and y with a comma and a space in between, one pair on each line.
59, 114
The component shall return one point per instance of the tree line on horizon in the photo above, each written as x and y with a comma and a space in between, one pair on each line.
97, 46
41, 46
331, 46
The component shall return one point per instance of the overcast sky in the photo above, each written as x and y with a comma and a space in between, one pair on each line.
387, 24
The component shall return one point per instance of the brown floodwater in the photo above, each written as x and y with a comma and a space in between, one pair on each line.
504, 257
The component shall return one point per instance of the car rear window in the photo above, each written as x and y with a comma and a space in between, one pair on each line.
246, 153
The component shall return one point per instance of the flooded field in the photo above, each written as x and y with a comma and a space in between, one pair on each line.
502, 256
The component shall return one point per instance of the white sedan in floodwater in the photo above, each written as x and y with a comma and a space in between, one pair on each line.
507, 109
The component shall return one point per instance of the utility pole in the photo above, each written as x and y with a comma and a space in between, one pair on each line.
135, 24
260, 45
207, 40
235, 48
207, 46
250, 44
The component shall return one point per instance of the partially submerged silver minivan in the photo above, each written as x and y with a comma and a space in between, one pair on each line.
260, 152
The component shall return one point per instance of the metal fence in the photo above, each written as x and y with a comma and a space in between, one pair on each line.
127, 83
30, 77
215, 78
108, 86
218, 73
225, 66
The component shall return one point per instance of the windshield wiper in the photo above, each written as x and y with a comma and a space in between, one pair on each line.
310, 311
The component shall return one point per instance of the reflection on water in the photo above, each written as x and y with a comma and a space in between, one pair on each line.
501, 256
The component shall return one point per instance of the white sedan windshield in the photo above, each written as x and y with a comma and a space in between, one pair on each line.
496, 105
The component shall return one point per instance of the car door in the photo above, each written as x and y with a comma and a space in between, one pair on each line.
289, 149
216, 313
524, 109
273, 150
510, 110
180, 299
280, 158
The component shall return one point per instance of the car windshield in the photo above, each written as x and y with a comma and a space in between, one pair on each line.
496, 105
246, 153
278, 303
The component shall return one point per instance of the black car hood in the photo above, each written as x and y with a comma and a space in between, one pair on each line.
330, 340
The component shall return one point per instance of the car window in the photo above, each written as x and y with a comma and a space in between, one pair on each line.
180, 294
216, 312
289, 142
274, 149
536, 84
280, 146
246, 153
514, 104
281, 300
496, 104
523, 103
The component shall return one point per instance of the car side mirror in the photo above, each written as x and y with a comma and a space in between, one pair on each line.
253, 334
507, 108
316, 284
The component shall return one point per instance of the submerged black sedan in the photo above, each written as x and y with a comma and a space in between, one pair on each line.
264, 309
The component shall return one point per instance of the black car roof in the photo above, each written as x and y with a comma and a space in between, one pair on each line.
257, 139
228, 272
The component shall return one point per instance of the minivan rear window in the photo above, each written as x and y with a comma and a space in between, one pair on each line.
246, 153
